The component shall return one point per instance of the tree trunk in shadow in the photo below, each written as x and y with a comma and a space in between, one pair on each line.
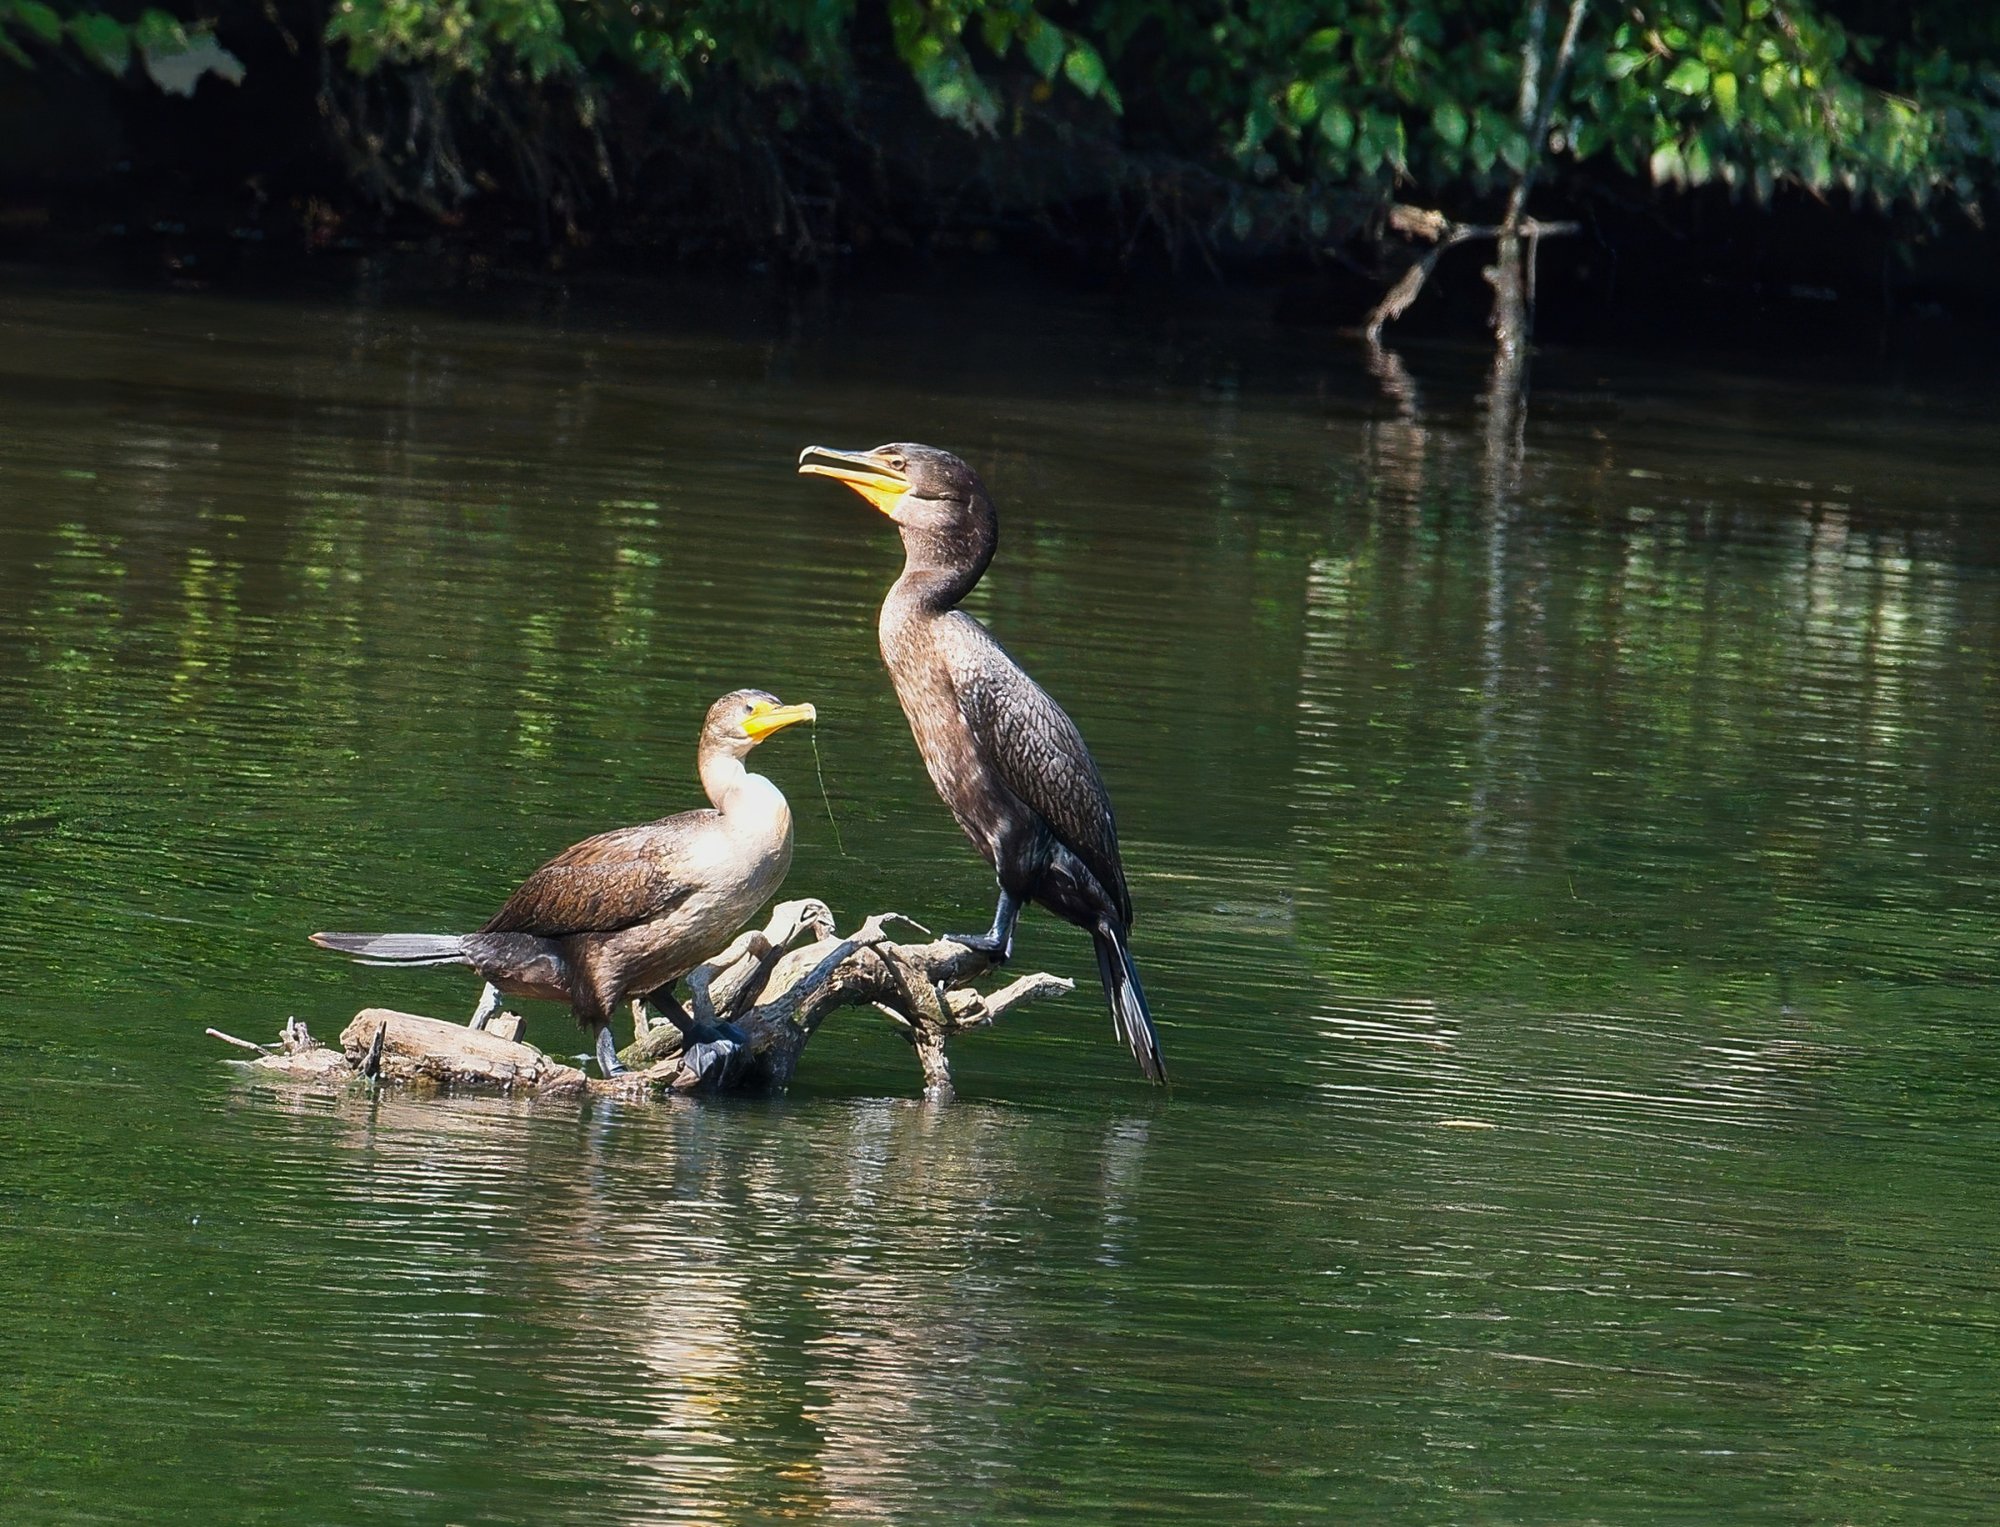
1517, 237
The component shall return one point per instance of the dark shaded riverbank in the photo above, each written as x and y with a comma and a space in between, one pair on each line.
241, 188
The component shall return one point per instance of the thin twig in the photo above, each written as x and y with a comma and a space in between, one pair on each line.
1528, 107
1537, 124
241, 1044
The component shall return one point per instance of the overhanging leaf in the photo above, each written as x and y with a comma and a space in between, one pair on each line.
178, 70
105, 41
1084, 69
1723, 88
1043, 44
1448, 122
40, 19
1690, 77
158, 32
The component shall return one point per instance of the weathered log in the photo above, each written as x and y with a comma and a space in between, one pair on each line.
413, 1048
777, 983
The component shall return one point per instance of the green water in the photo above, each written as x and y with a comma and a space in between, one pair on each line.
1567, 875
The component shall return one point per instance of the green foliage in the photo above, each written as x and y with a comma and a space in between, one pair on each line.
1755, 94
38, 19
683, 48
930, 40
1746, 92
1294, 95
173, 52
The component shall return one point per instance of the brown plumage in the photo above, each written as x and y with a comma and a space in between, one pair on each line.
627, 913
1004, 756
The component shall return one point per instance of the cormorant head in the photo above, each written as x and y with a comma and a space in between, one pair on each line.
936, 500
740, 720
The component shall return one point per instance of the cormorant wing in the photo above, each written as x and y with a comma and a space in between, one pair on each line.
1040, 755
614, 880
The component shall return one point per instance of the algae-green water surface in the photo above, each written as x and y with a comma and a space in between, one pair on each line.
1567, 873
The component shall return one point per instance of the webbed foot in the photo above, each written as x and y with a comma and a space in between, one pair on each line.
716, 1053
995, 948
607, 1053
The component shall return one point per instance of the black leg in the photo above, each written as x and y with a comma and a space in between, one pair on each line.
667, 1005
997, 942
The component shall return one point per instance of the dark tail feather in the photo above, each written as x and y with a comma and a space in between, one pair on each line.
1129, 1015
397, 948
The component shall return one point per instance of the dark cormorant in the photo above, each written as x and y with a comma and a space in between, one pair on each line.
625, 914
1007, 760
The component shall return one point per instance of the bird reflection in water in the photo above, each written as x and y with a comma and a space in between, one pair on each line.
807, 1309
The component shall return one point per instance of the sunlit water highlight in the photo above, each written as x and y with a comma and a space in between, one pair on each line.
1566, 877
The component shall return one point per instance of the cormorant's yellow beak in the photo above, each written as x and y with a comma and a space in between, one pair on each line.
766, 719
863, 471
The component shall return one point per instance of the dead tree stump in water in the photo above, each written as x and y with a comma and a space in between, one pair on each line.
777, 983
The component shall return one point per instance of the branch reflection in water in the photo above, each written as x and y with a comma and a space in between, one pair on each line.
1507, 778
727, 1315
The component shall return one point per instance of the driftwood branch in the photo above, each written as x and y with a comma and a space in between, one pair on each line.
1437, 229
778, 984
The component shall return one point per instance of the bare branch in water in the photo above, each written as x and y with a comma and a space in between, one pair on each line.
777, 983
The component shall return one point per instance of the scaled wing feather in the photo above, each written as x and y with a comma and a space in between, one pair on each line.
1040, 755
612, 881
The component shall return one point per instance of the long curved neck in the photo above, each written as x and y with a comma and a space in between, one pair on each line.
940, 569
753, 809
722, 776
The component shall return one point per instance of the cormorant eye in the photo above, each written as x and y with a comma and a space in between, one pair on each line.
897, 463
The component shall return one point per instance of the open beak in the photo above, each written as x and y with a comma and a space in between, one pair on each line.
863, 471
766, 719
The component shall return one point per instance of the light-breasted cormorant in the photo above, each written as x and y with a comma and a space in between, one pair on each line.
627, 913
1007, 760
